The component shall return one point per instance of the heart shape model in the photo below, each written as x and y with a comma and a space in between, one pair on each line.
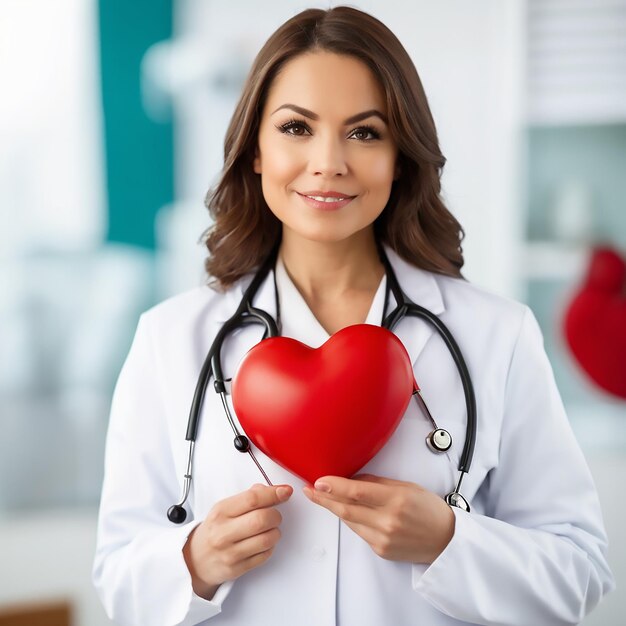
324, 411
595, 322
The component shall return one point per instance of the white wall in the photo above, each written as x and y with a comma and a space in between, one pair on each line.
52, 189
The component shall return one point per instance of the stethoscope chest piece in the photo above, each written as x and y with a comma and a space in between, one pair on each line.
439, 440
457, 500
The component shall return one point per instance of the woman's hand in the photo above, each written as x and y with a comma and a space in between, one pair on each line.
238, 534
401, 521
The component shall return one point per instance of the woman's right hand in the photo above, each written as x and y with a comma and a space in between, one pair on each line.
237, 535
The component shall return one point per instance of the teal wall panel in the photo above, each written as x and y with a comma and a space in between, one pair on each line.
139, 151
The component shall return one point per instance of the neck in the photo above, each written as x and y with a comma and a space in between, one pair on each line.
325, 270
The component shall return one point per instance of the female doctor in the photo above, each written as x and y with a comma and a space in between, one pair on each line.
332, 156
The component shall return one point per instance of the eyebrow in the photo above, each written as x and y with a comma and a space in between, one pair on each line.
351, 120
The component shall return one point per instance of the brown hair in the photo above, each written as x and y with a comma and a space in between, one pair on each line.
415, 222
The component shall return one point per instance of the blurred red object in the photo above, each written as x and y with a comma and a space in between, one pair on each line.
595, 322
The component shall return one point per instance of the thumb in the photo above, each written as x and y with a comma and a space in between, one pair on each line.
283, 492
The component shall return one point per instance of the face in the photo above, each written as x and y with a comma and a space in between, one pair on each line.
322, 131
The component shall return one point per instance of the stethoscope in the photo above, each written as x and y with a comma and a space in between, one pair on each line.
439, 439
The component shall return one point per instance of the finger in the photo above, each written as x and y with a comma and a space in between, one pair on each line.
347, 511
364, 521
250, 524
252, 562
349, 490
370, 535
380, 480
252, 546
231, 566
382, 545
257, 497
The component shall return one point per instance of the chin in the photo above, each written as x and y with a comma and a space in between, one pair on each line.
332, 231
326, 236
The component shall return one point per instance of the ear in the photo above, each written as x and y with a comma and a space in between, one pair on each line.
256, 163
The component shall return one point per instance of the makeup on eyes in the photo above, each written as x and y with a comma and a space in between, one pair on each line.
294, 122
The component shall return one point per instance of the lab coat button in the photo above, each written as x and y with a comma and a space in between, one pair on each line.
317, 552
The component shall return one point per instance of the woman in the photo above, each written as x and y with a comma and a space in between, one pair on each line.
332, 156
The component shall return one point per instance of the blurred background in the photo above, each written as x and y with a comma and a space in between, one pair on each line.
111, 129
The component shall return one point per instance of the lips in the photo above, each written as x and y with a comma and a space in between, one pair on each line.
327, 199
328, 202
326, 196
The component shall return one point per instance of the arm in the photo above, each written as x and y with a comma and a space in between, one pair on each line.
538, 554
139, 570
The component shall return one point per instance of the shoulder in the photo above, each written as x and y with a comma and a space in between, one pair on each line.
478, 316
456, 297
192, 308
456, 300
175, 334
459, 293
189, 303
486, 316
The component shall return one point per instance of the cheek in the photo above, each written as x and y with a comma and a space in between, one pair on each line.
379, 170
280, 168
282, 164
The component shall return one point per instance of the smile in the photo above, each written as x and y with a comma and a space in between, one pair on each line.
326, 203
329, 199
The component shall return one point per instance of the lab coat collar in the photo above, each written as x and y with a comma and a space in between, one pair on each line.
265, 298
419, 285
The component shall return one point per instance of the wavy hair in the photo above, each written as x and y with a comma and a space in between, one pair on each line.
415, 223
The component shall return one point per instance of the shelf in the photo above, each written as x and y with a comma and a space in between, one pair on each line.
551, 260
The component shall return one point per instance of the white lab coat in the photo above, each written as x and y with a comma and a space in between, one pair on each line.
531, 551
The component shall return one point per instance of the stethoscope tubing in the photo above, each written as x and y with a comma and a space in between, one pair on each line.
247, 314
407, 308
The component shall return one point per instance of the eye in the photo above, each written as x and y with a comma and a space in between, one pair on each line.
294, 128
363, 131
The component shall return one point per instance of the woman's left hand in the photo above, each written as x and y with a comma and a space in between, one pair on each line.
401, 521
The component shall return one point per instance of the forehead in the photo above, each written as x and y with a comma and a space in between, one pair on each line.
325, 82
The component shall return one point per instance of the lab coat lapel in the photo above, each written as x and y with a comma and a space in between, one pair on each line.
243, 338
421, 287
264, 298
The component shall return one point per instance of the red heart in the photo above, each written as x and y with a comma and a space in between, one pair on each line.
595, 322
324, 411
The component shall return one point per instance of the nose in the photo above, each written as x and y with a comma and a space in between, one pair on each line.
327, 157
